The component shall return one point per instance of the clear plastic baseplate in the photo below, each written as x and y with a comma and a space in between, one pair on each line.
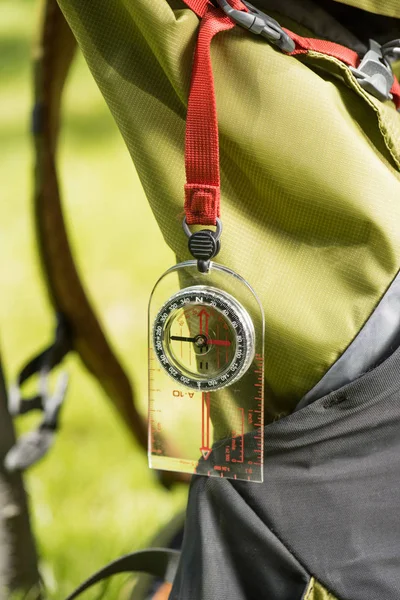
206, 374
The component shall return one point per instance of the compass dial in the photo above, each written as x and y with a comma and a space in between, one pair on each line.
204, 338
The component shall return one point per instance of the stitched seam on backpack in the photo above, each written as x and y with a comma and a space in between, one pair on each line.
353, 83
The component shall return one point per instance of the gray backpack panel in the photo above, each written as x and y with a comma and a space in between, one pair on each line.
329, 502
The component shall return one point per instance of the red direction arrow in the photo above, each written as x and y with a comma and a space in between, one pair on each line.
205, 425
204, 313
218, 342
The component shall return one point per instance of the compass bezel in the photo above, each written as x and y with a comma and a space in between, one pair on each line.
239, 322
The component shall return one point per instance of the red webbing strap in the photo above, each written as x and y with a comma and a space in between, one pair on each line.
202, 189
198, 6
303, 45
347, 56
395, 91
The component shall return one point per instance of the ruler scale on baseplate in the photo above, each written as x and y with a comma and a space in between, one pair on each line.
206, 374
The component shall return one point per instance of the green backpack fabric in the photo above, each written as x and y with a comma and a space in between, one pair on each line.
316, 232
389, 8
310, 197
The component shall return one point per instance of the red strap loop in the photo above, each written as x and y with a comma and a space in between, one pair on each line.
202, 190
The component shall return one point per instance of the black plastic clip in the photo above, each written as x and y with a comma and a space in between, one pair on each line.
259, 23
204, 244
33, 445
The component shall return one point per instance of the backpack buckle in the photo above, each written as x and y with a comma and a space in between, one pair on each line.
374, 74
259, 23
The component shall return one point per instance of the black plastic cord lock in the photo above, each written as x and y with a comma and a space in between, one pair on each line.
259, 23
203, 245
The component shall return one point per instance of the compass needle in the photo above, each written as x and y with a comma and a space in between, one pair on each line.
181, 338
208, 320
205, 400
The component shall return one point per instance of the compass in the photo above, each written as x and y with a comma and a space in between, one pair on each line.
204, 338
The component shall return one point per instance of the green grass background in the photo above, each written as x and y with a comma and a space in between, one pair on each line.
93, 498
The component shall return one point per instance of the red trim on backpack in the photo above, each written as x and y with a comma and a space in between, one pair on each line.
395, 91
345, 55
303, 45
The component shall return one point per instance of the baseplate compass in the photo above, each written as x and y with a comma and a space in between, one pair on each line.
204, 338
206, 374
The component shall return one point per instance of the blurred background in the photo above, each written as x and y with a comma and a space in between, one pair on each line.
93, 497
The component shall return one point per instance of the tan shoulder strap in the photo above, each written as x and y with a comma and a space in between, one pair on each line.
53, 58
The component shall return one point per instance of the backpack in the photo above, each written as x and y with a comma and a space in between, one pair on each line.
310, 157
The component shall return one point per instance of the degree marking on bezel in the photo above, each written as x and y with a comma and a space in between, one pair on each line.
230, 309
